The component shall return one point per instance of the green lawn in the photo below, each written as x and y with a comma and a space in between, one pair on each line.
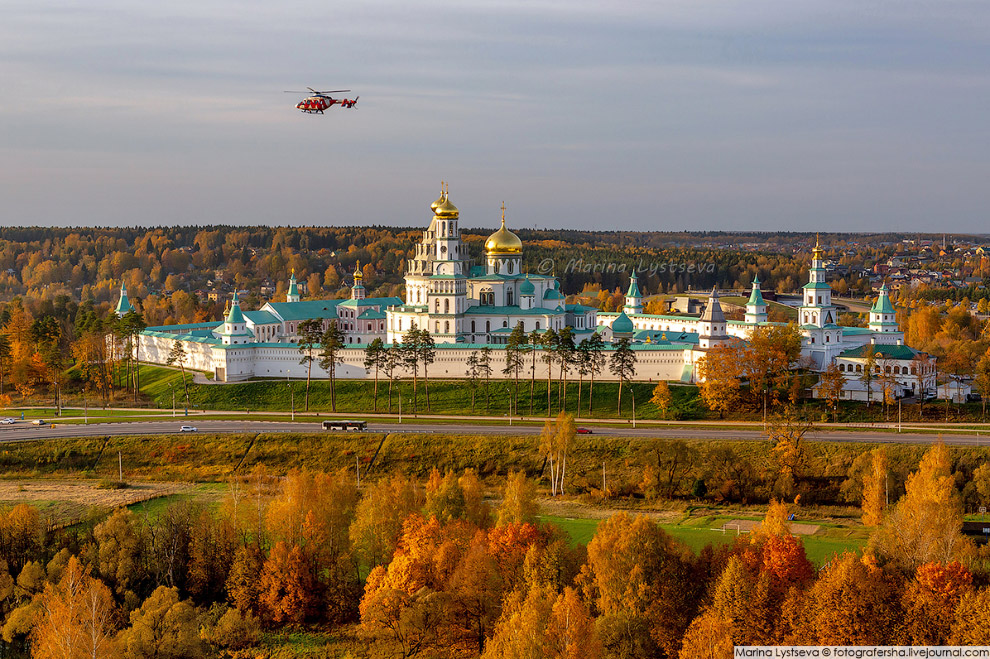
819, 547
446, 397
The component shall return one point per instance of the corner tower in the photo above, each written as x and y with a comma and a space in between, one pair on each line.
293, 294
123, 304
756, 307
634, 299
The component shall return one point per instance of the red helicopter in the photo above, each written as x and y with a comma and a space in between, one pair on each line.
320, 101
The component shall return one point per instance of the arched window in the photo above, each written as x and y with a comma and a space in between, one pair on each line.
472, 326
488, 326
914, 370
859, 368
505, 323
438, 327
446, 305
446, 327
537, 324
509, 297
437, 305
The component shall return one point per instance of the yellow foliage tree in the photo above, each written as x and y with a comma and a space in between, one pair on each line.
875, 489
76, 618
661, 397
518, 500
720, 374
925, 524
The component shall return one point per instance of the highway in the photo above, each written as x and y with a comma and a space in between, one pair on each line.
24, 431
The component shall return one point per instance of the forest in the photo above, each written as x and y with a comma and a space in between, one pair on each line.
396, 567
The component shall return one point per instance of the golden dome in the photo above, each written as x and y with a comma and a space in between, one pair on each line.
440, 199
503, 241
444, 208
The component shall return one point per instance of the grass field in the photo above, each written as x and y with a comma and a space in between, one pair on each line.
820, 547
446, 397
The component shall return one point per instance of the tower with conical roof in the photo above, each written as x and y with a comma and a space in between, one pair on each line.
357, 290
634, 299
234, 330
293, 294
712, 327
756, 307
123, 304
883, 318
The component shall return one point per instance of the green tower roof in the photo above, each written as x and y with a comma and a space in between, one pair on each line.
123, 304
882, 305
756, 297
234, 315
633, 287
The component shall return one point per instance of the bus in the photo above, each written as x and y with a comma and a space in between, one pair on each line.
345, 425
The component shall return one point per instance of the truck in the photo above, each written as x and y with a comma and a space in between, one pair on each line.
345, 425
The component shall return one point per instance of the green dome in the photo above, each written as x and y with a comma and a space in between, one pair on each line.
622, 324
527, 288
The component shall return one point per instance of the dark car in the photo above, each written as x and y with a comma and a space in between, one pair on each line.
584, 431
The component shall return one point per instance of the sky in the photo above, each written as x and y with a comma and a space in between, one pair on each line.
779, 115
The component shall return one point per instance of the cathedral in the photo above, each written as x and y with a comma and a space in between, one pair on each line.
467, 306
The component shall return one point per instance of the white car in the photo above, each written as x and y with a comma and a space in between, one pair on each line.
40, 422
8, 421
187, 429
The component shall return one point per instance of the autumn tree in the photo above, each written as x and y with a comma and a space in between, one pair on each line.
243, 587
768, 359
931, 600
785, 432
288, 591
77, 617
635, 571
720, 378
971, 624
544, 624
163, 627
875, 489
830, 387
518, 500
556, 440
854, 602
925, 524
661, 397
121, 548
378, 518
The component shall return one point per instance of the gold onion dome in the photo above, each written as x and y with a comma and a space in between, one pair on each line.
440, 199
445, 209
503, 241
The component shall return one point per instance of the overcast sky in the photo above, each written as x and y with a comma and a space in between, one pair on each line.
694, 114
